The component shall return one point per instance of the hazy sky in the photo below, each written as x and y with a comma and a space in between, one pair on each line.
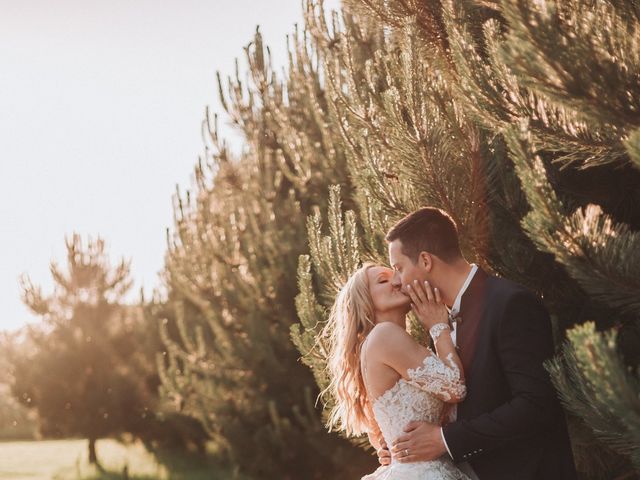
100, 111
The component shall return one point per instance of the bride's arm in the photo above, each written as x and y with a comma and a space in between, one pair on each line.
446, 351
391, 345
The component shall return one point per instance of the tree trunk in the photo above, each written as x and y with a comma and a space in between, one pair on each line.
93, 458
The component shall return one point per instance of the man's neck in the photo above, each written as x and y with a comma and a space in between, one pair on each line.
452, 281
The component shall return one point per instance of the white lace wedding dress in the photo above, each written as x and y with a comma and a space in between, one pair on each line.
420, 398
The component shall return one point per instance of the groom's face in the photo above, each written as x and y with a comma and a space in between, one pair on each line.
405, 269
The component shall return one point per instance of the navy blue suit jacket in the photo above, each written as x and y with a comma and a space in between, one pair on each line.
510, 425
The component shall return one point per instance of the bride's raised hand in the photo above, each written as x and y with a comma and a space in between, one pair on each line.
427, 304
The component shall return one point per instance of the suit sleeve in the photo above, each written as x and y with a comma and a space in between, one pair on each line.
523, 341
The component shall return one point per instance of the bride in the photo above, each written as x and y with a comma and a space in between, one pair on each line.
381, 378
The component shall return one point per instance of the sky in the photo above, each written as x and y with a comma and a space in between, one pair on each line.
101, 104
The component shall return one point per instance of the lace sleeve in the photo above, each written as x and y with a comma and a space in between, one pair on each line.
438, 377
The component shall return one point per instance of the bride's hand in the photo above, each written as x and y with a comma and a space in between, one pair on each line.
427, 304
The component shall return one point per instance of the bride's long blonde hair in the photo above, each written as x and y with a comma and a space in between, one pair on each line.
351, 319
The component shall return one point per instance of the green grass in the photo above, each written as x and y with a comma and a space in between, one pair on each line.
67, 460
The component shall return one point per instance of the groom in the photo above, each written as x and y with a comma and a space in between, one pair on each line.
510, 425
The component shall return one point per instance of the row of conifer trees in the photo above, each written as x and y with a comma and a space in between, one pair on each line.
519, 117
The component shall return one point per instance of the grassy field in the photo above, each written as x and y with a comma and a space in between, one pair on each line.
67, 460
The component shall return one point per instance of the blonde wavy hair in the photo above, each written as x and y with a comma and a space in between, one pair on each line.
351, 319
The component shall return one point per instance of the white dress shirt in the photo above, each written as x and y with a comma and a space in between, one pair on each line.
455, 309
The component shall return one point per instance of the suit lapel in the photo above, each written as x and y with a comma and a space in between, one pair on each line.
472, 307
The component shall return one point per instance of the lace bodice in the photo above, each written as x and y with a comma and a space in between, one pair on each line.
420, 397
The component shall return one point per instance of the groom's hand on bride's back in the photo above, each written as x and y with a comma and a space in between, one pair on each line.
421, 442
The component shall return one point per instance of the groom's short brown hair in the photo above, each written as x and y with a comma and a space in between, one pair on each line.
429, 229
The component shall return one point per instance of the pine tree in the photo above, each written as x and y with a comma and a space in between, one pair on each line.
572, 151
518, 117
231, 274
16, 421
398, 131
78, 369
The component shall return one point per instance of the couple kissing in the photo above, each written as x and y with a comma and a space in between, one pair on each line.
475, 404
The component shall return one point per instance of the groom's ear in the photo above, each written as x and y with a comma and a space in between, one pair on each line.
425, 260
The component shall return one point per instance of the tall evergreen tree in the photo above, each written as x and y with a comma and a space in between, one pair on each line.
407, 145
473, 107
78, 369
16, 421
231, 274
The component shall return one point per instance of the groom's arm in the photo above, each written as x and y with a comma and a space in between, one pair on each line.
524, 342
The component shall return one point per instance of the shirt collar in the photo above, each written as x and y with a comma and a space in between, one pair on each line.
455, 308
